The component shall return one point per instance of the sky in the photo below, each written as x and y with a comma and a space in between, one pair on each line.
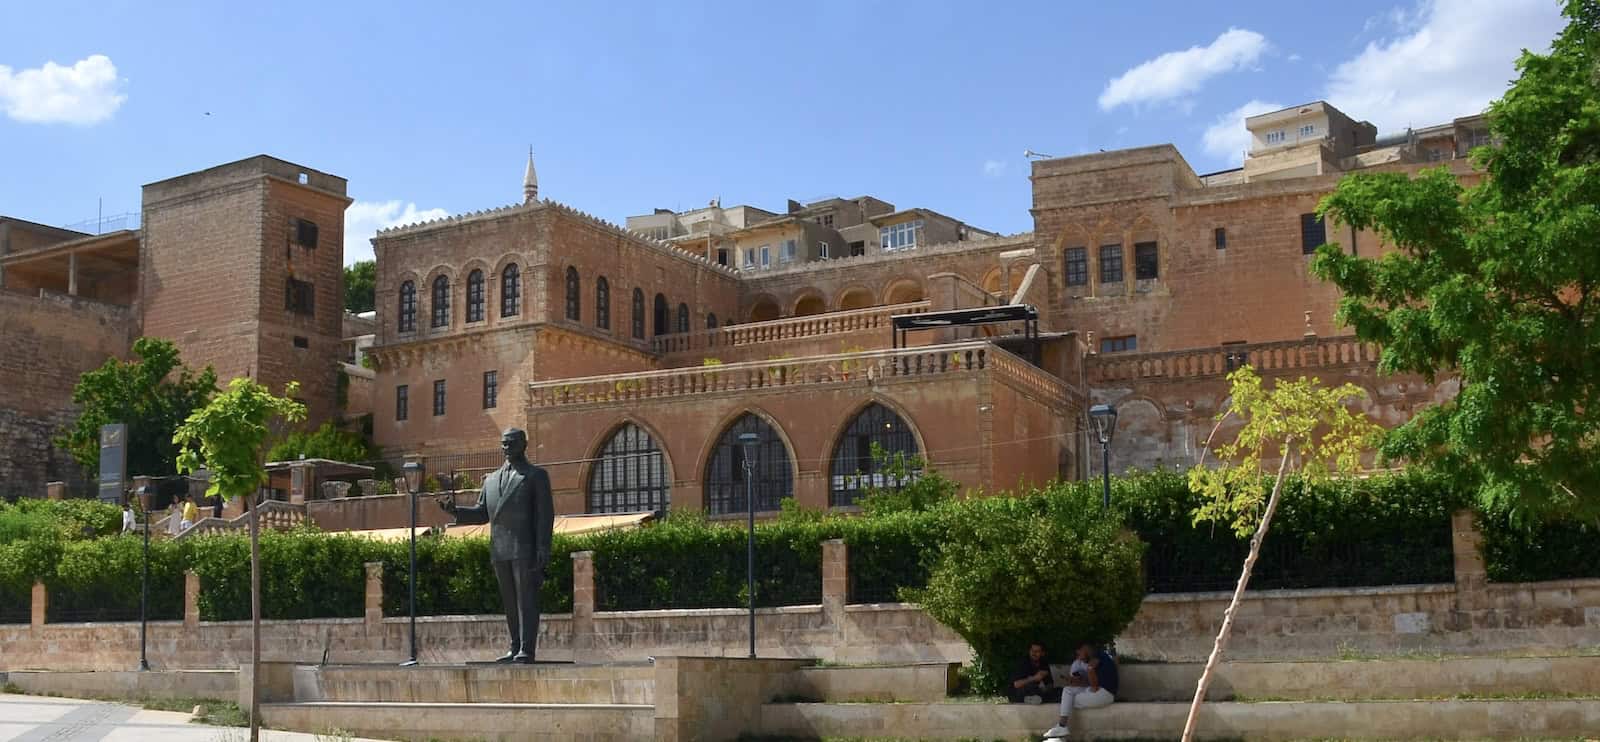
429, 109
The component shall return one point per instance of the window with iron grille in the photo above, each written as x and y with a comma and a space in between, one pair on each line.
438, 397
1077, 266
299, 297
630, 475
1313, 233
1119, 344
441, 302
663, 318
574, 296
305, 233
1146, 263
408, 307
510, 291
711, 320
1220, 234
491, 389
1110, 263
475, 296
602, 303
402, 402
725, 483
683, 318
853, 471
638, 314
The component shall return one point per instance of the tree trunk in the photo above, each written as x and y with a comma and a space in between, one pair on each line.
255, 618
1233, 606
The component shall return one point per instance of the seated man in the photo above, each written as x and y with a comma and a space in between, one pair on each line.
1032, 678
1093, 683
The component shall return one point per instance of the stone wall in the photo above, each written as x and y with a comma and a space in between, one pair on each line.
51, 339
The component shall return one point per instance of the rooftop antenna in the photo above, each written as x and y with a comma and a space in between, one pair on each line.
1030, 154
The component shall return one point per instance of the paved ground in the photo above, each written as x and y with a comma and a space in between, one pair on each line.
45, 719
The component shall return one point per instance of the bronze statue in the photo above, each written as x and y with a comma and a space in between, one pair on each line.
516, 504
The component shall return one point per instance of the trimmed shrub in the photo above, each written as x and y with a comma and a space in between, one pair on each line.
1559, 549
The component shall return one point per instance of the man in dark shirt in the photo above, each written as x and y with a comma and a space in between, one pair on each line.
1093, 684
1032, 677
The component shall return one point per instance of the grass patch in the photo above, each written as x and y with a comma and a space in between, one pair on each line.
12, 688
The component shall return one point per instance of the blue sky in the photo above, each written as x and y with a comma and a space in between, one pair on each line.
428, 108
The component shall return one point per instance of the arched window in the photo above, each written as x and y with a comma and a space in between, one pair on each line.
408, 307
510, 292
630, 475
441, 302
602, 303
574, 298
638, 314
475, 296
711, 320
683, 318
853, 470
663, 315
725, 474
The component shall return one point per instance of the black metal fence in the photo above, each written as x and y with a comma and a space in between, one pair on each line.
1287, 562
15, 608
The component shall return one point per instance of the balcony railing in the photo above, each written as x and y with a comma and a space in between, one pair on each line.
933, 361
1265, 357
790, 328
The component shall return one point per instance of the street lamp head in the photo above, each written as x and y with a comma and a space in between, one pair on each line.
145, 493
1104, 417
749, 439
413, 471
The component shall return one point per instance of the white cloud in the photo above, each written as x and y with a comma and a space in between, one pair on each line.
1227, 139
364, 218
994, 168
1449, 58
1179, 73
85, 93
1294, 57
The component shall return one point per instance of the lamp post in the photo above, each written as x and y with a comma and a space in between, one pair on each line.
145, 496
1104, 417
413, 471
749, 441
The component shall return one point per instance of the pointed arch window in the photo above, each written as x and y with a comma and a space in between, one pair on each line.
638, 314
711, 320
630, 474
683, 318
853, 470
602, 303
773, 478
510, 291
441, 302
574, 296
408, 306
475, 296
663, 316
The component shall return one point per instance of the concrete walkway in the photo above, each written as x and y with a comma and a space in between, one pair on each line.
40, 718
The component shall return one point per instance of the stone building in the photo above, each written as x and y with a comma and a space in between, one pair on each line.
636, 357
240, 265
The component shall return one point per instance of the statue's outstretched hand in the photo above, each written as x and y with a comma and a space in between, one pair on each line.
447, 503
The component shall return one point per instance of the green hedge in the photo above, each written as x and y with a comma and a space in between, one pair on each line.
1515, 550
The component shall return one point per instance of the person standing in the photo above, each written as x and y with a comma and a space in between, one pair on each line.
1093, 684
190, 514
127, 517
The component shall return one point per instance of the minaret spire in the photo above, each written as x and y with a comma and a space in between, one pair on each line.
530, 181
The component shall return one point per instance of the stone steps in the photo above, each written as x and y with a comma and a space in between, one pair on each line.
1365, 679
475, 721
1284, 720
617, 683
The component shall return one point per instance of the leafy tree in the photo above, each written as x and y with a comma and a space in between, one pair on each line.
152, 394
326, 442
1048, 567
227, 437
1303, 425
1498, 284
904, 483
360, 286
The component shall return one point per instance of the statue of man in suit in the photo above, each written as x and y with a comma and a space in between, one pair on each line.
516, 504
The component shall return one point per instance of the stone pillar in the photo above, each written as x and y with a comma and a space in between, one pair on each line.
41, 605
1472, 577
835, 588
299, 482
72, 274
582, 604
55, 490
374, 598
191, 599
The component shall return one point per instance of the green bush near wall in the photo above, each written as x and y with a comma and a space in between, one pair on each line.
1518, 551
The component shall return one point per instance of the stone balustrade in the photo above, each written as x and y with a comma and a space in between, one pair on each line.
789, 328
954, 358
1309, 353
